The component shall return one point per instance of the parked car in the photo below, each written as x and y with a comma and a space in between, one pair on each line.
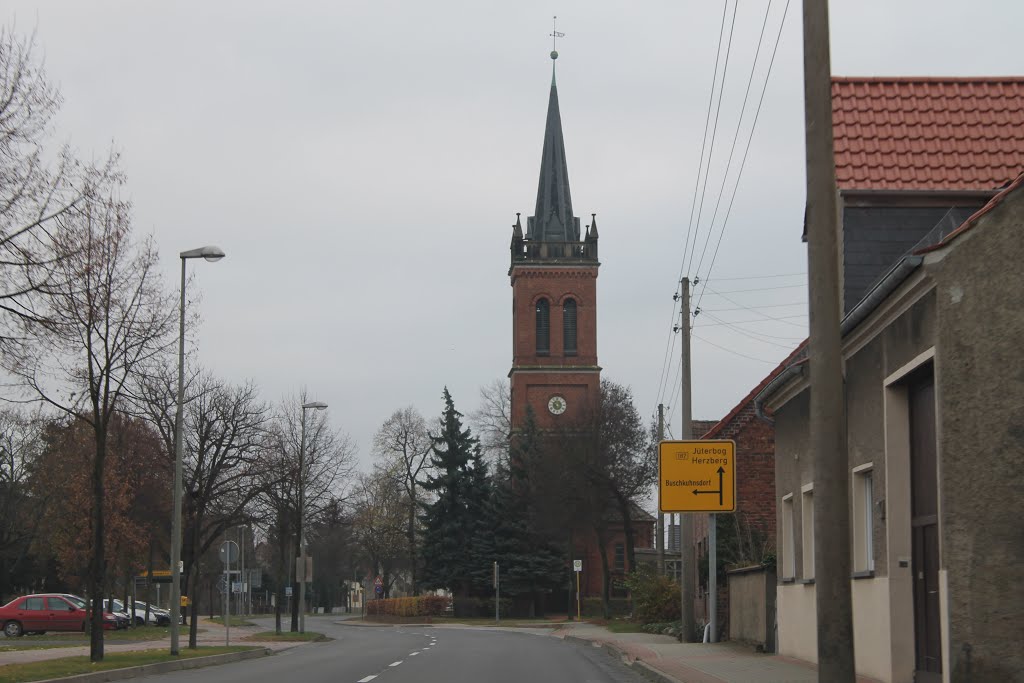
39, 613
162, 616
111, 620
140, 613
115, 608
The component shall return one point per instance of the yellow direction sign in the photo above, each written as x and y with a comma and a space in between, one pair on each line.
697, 476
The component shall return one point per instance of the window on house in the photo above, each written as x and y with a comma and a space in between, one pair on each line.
620, 557
807, 531
543, 327
863, 532
569, 326
788, 538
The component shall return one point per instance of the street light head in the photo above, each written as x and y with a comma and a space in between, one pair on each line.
210, 253
318, 405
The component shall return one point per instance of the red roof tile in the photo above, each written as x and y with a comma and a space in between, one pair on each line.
928, 134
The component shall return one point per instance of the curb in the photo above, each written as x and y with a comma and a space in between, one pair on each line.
163, 667
643, 667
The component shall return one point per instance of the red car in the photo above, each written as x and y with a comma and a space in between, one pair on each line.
47, 612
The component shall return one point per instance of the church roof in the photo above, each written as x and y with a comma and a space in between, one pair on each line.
553, 220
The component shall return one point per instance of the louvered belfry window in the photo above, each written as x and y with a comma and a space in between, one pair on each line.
543, 327
569, 326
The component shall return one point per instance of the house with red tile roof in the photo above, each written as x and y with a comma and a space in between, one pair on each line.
930, 182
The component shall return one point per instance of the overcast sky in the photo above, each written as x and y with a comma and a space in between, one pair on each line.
361, 164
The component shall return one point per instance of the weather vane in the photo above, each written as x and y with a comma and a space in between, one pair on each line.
555, 35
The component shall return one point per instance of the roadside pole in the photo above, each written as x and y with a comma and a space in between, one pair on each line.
827, 409
497, 594
660, 538
687, 578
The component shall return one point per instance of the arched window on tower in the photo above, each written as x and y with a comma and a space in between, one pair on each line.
569, 326
543, 327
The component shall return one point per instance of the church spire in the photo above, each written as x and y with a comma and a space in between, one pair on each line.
553, 220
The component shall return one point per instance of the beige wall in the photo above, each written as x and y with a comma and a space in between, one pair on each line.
798, 634
871, 635
749, 611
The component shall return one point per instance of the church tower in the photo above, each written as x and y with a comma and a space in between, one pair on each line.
554, 298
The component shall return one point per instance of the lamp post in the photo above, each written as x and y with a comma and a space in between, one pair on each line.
301, 575
210, 254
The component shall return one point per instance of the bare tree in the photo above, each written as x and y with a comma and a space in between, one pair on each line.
492, 421
379, 512
225, 436
325, 470
33, 193
106, 315
404, 444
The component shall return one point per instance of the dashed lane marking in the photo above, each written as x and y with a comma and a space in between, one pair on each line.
367, 679
413, 654
395, 663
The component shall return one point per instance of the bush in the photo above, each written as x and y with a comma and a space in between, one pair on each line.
656, 597
418, 606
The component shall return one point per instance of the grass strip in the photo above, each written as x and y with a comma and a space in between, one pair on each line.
70, 666
287, 636
234, 621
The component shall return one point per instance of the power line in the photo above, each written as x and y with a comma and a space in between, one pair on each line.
746, 151
735, 353
714, 129
735, 137
754, 310
756, 336
753, 289
753, 277
743, 308
704, 141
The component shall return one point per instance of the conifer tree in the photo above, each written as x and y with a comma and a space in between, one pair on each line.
455, 533
530, 562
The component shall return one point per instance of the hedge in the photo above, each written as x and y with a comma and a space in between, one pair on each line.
418, 606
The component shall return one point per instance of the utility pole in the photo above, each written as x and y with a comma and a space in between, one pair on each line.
660, 538
688, 576
827, 410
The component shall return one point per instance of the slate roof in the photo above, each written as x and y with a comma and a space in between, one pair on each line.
928, 134
553, 219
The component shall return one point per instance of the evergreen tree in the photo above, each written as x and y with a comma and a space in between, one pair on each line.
530, 562
455, 532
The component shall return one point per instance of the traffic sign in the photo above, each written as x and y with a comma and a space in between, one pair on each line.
378, 581
287, 591
697, 476
577, 565
228, 552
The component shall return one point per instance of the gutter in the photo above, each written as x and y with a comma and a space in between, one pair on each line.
794, 370
882, 289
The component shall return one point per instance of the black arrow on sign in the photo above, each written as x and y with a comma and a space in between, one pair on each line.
721, 472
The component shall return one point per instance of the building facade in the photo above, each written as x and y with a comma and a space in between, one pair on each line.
933, 228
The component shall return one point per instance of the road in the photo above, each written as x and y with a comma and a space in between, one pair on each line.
410, 654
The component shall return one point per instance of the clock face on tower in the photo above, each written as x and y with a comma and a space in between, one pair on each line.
556, 405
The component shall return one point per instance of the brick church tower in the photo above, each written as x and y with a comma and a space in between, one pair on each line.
554, 298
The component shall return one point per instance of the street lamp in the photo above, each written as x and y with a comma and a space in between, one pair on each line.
210, 254
316, 405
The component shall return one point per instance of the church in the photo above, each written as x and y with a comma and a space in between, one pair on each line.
555, 372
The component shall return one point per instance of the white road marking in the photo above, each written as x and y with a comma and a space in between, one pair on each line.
395, 663
413, 654
367, 679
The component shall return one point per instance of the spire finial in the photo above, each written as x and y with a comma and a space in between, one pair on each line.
555, 35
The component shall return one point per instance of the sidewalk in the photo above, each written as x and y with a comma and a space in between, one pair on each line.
675, 662
213, 635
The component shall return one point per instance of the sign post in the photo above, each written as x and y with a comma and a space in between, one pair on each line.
699, 476
228, 554
497, 594
577, 567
